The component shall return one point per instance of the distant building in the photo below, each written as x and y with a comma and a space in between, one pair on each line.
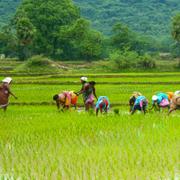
165, 55
2, 56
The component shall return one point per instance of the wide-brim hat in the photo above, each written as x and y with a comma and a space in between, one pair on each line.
7, 80
177, 92
136, 94
154, 98
84, 78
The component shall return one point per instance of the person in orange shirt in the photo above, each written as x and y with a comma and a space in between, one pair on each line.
170, 96
66, 99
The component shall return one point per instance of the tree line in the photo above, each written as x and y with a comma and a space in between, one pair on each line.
56, 29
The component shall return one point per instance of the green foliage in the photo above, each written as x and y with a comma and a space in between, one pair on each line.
178, 66
176, 27
124, 59
7, 11
79, 41
146, 62
175, 49
8, 43
91, 47
146, 17
39, 61
37, 64
116, 111
131, 60
25, 32
123, 38
176, 35
54, 28
46, 17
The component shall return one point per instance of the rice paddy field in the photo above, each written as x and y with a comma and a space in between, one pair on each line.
38, 142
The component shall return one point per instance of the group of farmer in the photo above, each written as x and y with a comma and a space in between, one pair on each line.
137, 100
66, 99
88, 91
170, 100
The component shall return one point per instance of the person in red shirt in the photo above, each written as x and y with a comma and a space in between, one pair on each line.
88, 92
5, 93
102, 104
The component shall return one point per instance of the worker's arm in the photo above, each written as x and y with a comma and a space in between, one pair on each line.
153, 106
12, 94
57, 103
97, 110
83, 89
94, 92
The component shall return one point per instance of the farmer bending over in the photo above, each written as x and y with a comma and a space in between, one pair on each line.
175, 103
177, 93
138, 103
160, 100
66, 99
102, 104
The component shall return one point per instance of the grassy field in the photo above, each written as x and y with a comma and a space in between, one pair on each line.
116, 93
67, 67
118, 87
38, 142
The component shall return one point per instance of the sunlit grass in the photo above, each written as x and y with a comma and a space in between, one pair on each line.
116, 93
39, 142
118, 77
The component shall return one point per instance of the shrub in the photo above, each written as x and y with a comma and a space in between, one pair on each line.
178, 66
146, 62
126, 59
38, 64
38, 60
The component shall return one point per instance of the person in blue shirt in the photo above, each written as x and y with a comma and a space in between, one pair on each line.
138, 103
103, 104
160, 100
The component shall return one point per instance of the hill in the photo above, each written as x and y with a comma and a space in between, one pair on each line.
150, 17
7, 9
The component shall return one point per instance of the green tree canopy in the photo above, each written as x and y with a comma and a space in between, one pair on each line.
124, 38
121, 36
176, 35
8, 42
46, 17
176, 27
54, 28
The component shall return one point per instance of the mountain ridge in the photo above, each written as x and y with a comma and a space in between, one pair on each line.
148, 17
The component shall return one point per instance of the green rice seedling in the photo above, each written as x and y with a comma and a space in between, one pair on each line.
116, 93
37, 142
116, 111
